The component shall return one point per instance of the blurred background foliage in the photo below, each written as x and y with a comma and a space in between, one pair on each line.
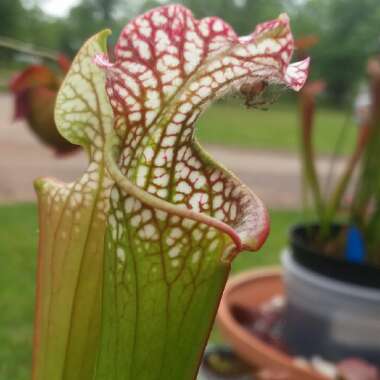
349, 30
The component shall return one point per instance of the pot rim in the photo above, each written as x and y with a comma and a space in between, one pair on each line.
234, 332
326, 282
315, 259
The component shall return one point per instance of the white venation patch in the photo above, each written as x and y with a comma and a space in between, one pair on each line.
185, 108
149, 117
158, 18
176, 233
149, 231
174, 251
204, 92
184, 187
162, 41
148, 154
135, 116
143, 49
142, 173
120, 254
217, 26
146, 31
135, 220
213, 245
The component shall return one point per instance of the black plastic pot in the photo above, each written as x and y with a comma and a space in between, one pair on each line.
333, 306
335, 268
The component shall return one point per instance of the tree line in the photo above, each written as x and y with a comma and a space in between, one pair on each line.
348, 30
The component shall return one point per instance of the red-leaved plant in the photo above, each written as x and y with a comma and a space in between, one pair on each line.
35, 89
134, 255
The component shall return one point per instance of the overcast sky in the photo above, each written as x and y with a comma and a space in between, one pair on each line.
61, 8
58, 7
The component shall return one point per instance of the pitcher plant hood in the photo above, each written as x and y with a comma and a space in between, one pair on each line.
167, 68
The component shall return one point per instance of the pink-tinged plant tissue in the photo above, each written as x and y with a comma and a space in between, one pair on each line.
35, 89
134, 255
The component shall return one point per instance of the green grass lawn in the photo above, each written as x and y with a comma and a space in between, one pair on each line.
276, 129
18, 245
18, 239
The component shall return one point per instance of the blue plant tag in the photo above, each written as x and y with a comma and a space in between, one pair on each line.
355, 249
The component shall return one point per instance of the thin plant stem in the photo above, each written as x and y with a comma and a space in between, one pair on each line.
26, 48
337, 149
